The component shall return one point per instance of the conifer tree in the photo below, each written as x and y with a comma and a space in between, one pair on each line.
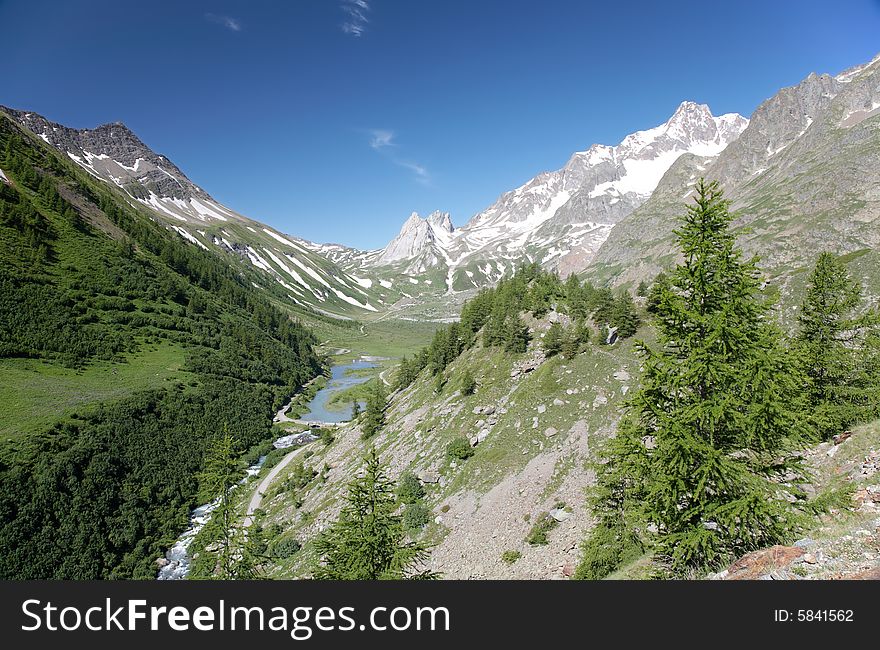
468, 383
624, 316
217, 479
834, 349
374, 414
603, 306
714, 415
553, 339
368, 541
516, 334
652, 304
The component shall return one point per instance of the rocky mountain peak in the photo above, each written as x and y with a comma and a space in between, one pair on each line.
412, 222
441, 220
113, 153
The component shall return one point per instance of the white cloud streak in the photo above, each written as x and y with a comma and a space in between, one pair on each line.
228, 22
382, 140
356, 17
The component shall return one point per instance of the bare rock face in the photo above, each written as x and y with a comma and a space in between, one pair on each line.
130, 158
418, 243
802, 178
115, 154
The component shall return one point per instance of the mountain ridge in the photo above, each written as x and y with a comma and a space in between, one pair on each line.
114, 154
574, 206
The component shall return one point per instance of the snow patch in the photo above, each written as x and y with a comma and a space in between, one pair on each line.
206, 210
352, 301
189, 237
366, 283
279, 238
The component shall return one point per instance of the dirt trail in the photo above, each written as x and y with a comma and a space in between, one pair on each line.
257, 497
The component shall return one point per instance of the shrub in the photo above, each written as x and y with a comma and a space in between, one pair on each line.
605, 550
459, 449
538, 534
509, 557
409, 488
416, 515
285, 547
327, 437
468, 383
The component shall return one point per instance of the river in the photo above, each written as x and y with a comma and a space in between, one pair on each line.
177, 556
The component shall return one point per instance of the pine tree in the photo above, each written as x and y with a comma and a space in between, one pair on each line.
516, 334
571, 345
624, 316
834, 351
553, 340
217, 479
714, 414
374, 414
468, 383
368, 541
603, 306
652, 304
355, 410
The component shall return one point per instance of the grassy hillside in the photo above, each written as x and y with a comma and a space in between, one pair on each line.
546, 416
123, 349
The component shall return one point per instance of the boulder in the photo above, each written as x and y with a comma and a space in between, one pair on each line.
758, 563
542, 408
558, 402
429, 477
162, 562
550, 432
559, 514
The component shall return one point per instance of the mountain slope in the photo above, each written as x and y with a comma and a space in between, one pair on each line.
137, 348
292, 271
558, 218
802, 178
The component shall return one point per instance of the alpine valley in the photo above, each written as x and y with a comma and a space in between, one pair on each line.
141, 320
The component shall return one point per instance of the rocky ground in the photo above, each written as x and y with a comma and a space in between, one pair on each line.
845, 544
533, 423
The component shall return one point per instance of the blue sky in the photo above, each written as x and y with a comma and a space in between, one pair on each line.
334, 119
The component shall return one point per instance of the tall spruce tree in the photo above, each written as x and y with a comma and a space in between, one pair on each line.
703, 436
374, 415
835, 351
369, 541
553, 339
217, 479
624, 316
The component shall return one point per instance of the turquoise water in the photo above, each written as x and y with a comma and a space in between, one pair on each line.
338, 381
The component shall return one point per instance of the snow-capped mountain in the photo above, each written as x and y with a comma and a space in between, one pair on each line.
565, 214
114, 154
802, 178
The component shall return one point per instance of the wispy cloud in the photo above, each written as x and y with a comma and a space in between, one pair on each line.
228, 22
383, 141
355, 16
380, 138
421, 173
